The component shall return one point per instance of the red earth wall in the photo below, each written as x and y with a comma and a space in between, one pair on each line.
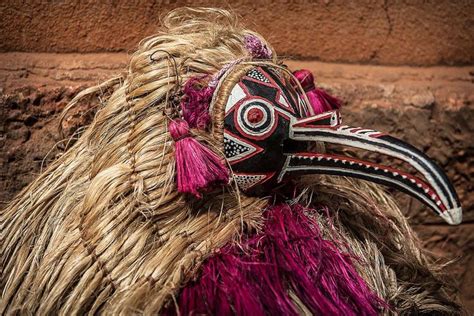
415, 32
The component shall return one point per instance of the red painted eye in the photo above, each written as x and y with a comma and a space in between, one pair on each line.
255, 115
255, 118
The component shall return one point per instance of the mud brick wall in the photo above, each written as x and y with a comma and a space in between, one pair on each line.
403, 67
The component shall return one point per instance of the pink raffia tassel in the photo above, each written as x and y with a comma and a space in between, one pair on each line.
320, 100
197, 167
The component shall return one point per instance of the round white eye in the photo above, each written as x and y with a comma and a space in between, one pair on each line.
256, 118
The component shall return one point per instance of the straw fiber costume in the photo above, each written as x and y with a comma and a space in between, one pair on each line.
205, 185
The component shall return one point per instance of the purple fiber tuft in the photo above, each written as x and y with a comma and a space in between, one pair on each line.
256, 48
256, 276
196, 101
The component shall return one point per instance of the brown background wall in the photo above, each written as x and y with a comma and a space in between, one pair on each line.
415, 32
404, 67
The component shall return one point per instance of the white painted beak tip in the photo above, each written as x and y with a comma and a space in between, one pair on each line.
453, 216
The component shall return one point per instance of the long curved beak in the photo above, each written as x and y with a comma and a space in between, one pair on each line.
434, 190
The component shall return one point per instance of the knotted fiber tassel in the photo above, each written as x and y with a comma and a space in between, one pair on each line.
320, 100
197, 167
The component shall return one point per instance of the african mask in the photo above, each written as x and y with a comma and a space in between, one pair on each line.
268, 127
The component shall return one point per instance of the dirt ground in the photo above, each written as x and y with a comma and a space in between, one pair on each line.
403, 67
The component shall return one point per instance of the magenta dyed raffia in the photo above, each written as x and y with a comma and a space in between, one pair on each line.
319, 99
197, 167
197, 96
255, 276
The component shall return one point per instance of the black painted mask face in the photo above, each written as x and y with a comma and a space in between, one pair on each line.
268, 128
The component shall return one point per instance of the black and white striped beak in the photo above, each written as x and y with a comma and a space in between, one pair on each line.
435, 190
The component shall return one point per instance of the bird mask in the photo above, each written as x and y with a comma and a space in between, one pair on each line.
268, 127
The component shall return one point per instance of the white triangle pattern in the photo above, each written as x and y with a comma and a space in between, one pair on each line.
257, 75
283, 101
236, 95
247, 181
235, 149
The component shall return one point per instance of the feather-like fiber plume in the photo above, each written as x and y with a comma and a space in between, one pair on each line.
276, 272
